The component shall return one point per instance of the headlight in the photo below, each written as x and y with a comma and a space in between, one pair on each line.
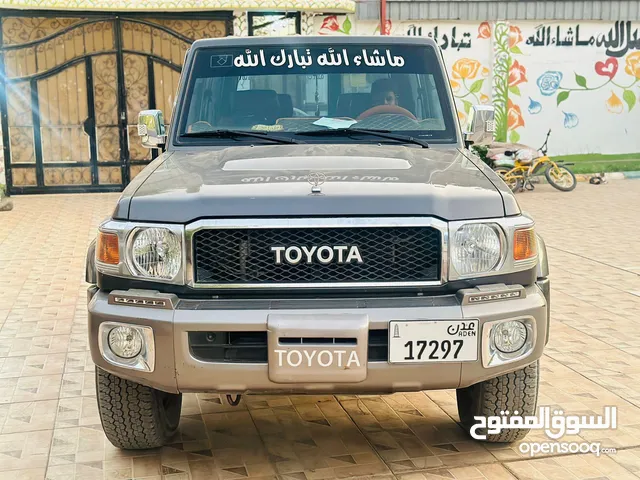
156, 253
476, 248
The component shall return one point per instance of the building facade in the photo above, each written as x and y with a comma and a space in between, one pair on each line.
72, 81
569, 66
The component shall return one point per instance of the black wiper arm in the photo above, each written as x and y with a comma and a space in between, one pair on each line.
225, 133
378, 133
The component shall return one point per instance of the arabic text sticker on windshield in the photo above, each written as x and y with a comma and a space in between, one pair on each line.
304, 57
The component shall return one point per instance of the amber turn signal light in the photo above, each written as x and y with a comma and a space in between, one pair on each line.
107, 250
524, 244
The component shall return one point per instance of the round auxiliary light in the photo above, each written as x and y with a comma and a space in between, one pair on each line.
125, 342
509, 337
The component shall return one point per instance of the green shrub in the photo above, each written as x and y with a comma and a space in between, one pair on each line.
481, 151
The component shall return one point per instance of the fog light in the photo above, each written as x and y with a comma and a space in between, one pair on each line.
509, 337
125, 342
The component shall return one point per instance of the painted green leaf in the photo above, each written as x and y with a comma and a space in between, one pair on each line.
581, 81
467, 106
516, 50
515, 90
514, 137
346, 26
562, 96
476, 86
630, 98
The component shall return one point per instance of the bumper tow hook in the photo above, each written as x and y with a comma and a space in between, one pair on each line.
234, 402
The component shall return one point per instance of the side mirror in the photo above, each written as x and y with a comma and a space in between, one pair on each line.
481, 125
151, 128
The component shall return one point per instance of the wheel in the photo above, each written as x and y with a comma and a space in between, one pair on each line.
513, 182
561, 177
515, 391
134, 416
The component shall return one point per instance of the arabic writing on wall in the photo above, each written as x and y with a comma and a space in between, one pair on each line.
618, 40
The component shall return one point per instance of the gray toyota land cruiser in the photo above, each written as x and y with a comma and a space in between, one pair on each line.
314, 223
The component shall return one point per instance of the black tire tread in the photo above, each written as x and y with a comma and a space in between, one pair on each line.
514, 391
133, 415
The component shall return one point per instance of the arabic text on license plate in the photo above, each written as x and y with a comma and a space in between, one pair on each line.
433, 341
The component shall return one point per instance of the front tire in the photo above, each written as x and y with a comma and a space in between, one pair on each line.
134, 416
514, 183
515, 391
561, 178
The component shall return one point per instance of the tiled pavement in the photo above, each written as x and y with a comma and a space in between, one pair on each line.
49, 424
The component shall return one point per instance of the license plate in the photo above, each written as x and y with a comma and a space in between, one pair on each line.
424, 341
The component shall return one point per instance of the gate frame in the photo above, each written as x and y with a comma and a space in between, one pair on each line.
125, 161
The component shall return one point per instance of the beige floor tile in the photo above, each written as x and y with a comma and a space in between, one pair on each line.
49, 418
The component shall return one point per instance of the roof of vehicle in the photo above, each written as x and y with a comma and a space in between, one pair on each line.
311, 40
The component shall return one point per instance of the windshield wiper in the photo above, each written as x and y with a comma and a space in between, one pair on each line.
239, 133
378, 133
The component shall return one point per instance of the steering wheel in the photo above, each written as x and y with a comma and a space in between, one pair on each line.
386, 109
199, 126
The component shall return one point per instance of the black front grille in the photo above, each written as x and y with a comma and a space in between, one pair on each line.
251, 347
245, 256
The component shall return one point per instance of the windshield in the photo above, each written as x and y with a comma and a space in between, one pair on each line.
289, 90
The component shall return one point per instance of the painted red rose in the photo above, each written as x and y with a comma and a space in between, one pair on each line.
515, 36
484, 30
514, 115
517, 74
331, 23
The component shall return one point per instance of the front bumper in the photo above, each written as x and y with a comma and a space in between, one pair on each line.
176, 368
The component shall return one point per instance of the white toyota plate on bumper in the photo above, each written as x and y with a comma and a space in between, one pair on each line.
433, 341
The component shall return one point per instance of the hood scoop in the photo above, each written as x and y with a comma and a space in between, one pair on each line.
316, 163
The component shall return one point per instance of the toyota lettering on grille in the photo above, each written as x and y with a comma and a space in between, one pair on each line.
325, 255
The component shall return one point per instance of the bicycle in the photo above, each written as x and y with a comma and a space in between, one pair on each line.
518, 177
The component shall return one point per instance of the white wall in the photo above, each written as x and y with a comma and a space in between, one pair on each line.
601, 75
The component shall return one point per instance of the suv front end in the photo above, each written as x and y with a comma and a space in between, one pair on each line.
353, 261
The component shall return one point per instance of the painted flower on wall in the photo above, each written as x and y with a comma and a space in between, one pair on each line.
484, 30
466, 69
633, 65
485, 72
387, 28
534, 107
466, 86
608, 68
614, 104
515, 116
570, 120
331, 26
508, 74
515, 36
517, 74
549, 82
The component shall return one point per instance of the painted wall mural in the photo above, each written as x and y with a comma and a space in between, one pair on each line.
581, 80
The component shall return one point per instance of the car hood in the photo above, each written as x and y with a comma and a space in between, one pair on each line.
359, 180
